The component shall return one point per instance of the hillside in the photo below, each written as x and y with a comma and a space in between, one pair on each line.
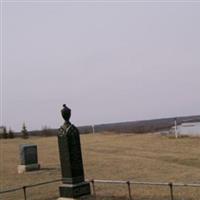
143, 126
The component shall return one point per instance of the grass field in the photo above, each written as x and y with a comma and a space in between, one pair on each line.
148, 157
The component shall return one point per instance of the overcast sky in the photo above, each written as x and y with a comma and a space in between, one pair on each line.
108, 63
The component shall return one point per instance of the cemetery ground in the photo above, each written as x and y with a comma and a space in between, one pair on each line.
137, 157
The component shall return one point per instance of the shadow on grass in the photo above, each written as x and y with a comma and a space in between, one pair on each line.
118, 198
126, 198
49, 169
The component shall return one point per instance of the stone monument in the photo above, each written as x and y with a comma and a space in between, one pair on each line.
28, 158
74, 184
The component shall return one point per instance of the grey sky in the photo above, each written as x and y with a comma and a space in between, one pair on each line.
107, 63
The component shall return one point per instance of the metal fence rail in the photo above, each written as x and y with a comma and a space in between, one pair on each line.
93, 182
23, 188
129, 183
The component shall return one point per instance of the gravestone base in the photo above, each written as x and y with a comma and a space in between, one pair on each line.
24, 168
71, 191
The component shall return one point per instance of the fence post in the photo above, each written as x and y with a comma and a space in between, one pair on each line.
129, 190
24, 189
171, 191
93, 188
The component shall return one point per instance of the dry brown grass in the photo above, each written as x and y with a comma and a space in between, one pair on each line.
149, 157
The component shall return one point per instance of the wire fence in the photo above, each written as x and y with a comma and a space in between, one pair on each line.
93, 183
25, 187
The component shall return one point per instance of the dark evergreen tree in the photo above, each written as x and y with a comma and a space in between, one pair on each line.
5, 134
10, 134
24, 131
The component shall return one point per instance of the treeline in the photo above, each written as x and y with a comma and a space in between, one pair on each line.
145, 126
11, 134
52, 132
44, 132
7, 134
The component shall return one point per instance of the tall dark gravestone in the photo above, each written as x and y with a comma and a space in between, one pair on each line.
28, 158
74, 184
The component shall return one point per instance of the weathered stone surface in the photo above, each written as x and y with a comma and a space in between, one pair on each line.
28, 158
74, 190
74, 184
70, 156
28, 154
24, 168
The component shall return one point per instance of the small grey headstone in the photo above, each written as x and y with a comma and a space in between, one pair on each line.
28, 154
28, 158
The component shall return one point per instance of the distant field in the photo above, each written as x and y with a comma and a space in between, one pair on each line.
148, 157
